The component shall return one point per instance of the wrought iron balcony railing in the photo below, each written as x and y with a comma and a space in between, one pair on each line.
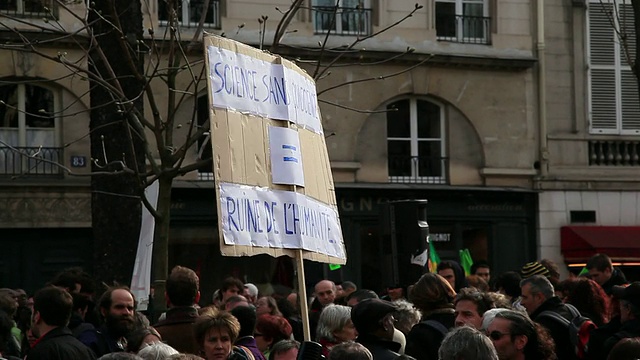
27, 8
30, 161
189, 13
418, 170
352, 21
614, 153
464, 29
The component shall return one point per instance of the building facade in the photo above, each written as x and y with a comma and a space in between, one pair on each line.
456, 120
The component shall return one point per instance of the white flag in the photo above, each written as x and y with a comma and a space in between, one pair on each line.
141, 279
420, 259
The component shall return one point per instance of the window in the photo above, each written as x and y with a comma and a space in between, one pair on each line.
189, 13
352, 17
27, 125
27, 8
415, 142
465, 21
614, 102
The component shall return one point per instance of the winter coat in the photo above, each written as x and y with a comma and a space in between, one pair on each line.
558, 331
423, 341
59, 344
177, 329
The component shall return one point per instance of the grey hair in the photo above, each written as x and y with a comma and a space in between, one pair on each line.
539, 285
157, 351
466, 343
332, 318
350, 350
120, 356
406, 316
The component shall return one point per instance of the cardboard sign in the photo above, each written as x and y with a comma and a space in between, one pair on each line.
252, 93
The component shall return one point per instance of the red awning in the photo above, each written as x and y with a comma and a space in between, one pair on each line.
621, 243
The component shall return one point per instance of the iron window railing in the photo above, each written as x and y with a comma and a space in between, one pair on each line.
30, 161
348, 21
418, 170
463, 29
189, 12
28, 8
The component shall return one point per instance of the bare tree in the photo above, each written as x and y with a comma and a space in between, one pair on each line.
130, 148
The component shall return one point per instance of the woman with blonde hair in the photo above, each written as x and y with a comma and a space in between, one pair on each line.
433, 296
215, 332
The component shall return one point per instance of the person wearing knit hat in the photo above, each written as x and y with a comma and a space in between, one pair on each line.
533, 268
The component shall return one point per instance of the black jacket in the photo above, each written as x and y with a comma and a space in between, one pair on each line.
558, 331
380, 349
423, 341
60, 344
617, 278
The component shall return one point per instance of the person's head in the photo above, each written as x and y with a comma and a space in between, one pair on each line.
335, 325
432, 292
348, 287
325, 292
270, 329
589, 298
626, 349
515, 336
142, 337
284, 350
74, 280
600, 268
156, 351
482, 269
508, 283
120, 356
250, 292
267, 305
470, 305
8, 302
629, 301
554, 270
406, 316
360, 295
535, 291
183, 287
533, 268
447, 271
215, 332
234, 301
52, 308
6, 324
230, 286
246, 315
350, 351
184, 356
466, 343
374, 317
117, 307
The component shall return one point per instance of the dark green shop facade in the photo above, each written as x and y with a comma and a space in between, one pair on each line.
495, 224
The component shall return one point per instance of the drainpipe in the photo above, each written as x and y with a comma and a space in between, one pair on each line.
542, 92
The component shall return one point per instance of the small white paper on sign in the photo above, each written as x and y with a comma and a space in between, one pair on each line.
286, 158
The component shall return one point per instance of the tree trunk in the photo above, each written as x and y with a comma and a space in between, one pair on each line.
160, 263
115, 200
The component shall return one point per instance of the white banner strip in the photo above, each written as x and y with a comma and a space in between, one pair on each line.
255, 216
247, 84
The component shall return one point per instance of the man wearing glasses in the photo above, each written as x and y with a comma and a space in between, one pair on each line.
516, 337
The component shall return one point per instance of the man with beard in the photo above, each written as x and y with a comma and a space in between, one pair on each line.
52, 310
117, 307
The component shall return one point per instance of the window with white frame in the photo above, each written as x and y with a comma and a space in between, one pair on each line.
27, 8
416, 141
189, 12
614, 101
27, 127
350, 17
465, 21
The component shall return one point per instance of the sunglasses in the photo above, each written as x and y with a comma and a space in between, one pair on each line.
497, 335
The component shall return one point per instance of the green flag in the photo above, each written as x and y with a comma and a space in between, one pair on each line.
434, 259
334, 267
466, 261
584, 271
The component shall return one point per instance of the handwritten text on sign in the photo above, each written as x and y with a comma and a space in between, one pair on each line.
246, 84
255, 216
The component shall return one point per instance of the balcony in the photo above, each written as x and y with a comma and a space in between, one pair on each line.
614, 153
352, 21
418, 170
30, 162
190, 12
27, 8
463, 29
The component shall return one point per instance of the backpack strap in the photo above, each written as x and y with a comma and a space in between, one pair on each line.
554, 315
436, 325
573, 311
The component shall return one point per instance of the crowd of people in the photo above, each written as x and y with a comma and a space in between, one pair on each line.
526, 314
